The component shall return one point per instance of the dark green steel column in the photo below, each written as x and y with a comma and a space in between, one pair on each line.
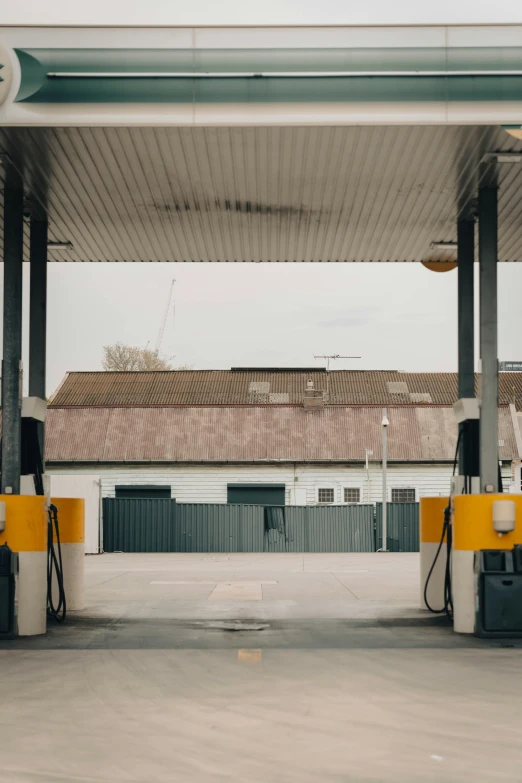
12, 338
466, 293
488, 253
38, 314
468, 456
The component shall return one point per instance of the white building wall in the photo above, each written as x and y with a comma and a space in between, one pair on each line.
208, 484
76, 485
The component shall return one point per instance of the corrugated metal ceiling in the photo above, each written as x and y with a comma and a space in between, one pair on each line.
223, 387
261, 194
224, 434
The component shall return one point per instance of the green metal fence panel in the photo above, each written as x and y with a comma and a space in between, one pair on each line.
209, 527
151, 525
138, 525
251, 527
298, 526
340, 528
402, 527
347, 528
275, 532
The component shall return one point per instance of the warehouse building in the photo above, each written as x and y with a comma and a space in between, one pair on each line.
274, 437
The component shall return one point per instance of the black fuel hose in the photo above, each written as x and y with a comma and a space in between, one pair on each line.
55, 566
446, 534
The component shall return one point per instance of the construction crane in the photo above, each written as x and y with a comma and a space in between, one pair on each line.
164, 320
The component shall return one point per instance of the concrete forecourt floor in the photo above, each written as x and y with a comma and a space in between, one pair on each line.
257, 668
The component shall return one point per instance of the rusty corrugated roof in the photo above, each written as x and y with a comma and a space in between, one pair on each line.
258, 433
225, 387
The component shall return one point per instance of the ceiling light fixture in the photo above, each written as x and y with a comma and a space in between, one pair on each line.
443, 245
503, 157
509, 158
59, 245
514, 130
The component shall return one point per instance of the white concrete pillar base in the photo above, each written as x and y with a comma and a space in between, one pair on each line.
463, 582
31, 594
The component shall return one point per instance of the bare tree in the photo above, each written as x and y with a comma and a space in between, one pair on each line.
152, 360
127, 358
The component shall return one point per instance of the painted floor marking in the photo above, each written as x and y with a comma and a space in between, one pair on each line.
250, 656
211, 582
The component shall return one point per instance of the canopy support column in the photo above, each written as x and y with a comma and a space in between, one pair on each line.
38, 315
469, 430
488, 254
12, 337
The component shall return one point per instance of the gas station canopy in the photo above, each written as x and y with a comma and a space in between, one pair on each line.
262, 194
263, 144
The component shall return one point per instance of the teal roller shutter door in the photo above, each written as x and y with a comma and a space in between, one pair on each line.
256, 494
143, 491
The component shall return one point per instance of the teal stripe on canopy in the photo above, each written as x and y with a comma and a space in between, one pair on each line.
269, 75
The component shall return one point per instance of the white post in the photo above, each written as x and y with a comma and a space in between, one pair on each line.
384, 423
368, 500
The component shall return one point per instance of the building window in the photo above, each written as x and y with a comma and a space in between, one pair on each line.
352, 495
325, 495
401, 495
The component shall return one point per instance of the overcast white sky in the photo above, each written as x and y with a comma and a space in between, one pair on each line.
395, 316
237, 12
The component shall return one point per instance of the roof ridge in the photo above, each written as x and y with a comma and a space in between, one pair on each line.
225, 387
268, 370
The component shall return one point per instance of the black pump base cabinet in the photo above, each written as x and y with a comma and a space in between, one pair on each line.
499, 585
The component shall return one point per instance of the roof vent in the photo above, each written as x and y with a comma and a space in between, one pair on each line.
313, 398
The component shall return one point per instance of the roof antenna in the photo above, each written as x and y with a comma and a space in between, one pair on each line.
333, 356
328, 357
